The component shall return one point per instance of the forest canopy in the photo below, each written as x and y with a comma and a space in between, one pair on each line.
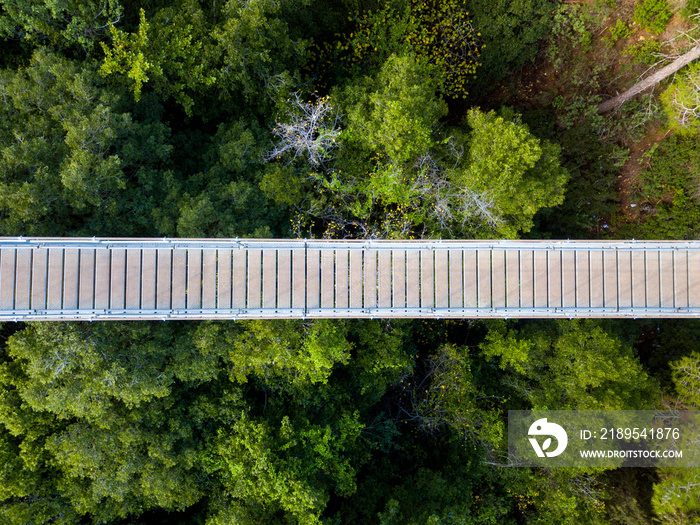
340, 119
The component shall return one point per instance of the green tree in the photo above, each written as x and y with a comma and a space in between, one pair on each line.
168, 58
397, 174
123, 418
511, 31
447, 393
242, 53
681, 100
70, 152
519, 172
676, 498
396, 114
65, 23
284, 353
574, 364
439, 32
220, 196
283, 470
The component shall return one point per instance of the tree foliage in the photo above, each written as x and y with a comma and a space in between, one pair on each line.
570, 365
438, 31
62, 23
336, 118
397, 174
68, 148
169, 59
675, 498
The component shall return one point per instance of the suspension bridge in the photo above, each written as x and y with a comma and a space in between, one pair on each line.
151, 279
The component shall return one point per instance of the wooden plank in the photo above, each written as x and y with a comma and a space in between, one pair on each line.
638, 277
442, 279
299, 278
456, 278
597, 282
54, 285
7, 278
342, 282
23, 277
568, 278
498, 278
179, 271
541, 284
398, 299
284, 278
148, 279
269, 278
209, 271
653, 279
71, 261
103, 278
40, 261
610, 285
471, 278
624, 280
224, 274
327, 279
164, 279
87, 277
194, 279
370, 278
693, 277
240, 266
513, 278
384, 279
133, 279
668, 295
583, 279
527, 278
483, 260
554, 278
313, 279
427, 269
680, 272
356, 283
412, 279
254, 279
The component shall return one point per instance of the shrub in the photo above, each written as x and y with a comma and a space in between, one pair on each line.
644, 52
652, 15
692, 7
619, 32
681, 101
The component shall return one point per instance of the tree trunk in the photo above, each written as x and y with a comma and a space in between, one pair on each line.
650, 81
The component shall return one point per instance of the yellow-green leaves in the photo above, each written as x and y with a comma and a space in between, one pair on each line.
439, 31
520, 172
399, 117
128, 55
570, 365
167, 57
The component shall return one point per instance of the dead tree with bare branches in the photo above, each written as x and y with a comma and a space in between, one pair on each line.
311, 130
650, 81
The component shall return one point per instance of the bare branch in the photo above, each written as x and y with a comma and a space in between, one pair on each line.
311, 131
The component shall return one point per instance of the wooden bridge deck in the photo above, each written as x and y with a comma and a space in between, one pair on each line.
91, 279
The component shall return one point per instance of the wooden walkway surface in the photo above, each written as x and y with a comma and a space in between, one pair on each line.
91, 279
